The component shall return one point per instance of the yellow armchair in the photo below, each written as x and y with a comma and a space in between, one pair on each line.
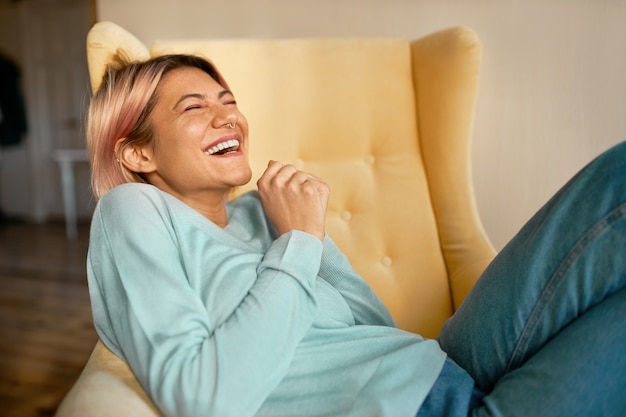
387, 123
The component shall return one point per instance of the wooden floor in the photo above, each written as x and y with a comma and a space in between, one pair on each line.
46, 331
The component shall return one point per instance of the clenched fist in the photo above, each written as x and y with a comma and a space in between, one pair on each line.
293, 199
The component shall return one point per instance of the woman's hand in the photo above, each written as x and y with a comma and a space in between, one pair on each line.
293, 199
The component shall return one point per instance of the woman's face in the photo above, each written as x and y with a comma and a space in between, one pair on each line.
200, 147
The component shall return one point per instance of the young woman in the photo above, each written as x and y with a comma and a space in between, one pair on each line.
247, 308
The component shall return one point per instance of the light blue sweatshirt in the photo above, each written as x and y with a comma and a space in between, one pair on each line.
240, 322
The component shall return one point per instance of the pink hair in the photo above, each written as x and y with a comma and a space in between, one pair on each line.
120, 109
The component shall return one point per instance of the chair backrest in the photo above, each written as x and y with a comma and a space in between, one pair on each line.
377, 120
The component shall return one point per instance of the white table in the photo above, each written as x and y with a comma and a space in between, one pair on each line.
66, 159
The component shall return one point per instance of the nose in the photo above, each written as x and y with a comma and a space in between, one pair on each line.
225, 117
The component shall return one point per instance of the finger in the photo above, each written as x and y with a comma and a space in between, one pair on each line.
315, 177
272, 168
300, 177
284, 174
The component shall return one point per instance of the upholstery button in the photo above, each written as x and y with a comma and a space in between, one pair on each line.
370, 159
346, 215
386, 261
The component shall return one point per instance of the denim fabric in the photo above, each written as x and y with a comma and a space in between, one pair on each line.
543, 332
453, 394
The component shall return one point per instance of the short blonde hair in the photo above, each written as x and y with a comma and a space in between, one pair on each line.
121, 108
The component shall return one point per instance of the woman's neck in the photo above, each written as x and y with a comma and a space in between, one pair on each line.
210, 205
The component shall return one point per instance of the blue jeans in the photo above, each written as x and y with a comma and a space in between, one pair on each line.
543, 332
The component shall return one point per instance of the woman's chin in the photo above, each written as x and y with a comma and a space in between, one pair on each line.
244, 178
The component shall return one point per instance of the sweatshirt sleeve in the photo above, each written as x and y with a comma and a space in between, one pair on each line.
146, 311
366, 307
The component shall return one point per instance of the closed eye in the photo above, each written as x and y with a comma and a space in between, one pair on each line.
229, 95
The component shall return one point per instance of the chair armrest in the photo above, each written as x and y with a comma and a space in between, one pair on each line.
106, 388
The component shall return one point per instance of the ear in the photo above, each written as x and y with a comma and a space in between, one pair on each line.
136, 158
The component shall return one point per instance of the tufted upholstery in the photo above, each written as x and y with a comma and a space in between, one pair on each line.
388, 124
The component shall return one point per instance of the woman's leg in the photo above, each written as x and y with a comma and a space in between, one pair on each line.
580, 372
568, 258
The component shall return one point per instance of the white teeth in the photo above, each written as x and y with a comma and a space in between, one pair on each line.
231, 143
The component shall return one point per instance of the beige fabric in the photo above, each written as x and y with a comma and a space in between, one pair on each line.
107, 387
388, 124
103, 41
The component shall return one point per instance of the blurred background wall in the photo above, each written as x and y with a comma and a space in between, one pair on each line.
45, 41
553, 84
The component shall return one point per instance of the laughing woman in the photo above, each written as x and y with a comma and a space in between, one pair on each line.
247, 308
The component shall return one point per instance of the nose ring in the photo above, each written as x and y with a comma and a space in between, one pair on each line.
231, 125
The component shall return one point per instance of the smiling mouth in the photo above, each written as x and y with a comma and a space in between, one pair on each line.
223, 148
